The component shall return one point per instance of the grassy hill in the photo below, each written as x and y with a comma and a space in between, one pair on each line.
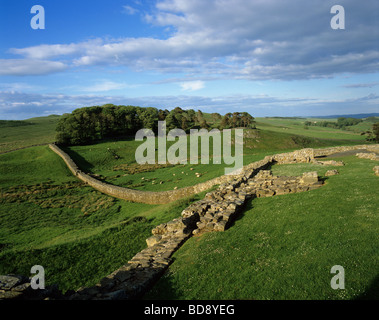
296, 126
79, 235
21, 134
123, 171
285, 246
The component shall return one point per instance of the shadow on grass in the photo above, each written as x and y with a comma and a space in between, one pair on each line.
82, 163
164, 288
241, 212
372, 292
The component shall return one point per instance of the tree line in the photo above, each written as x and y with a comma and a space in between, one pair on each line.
341, 123
90, 124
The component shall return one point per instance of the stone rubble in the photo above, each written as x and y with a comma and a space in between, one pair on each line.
370, 156
18, 287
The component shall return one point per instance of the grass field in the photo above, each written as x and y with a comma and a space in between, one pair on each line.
296, 126
123, 171
36, 131
79, 235
282, 247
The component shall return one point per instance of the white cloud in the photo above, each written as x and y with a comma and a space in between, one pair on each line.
361, 85
105, 86
18, 105
235, 39
192, 85
129, 10
16, 67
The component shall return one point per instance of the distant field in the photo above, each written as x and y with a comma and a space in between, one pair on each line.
296, 126
36, 131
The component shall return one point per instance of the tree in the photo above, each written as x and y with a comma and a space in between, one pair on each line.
216, 117
162, 114
148, 117
172, 121
226, 121
236, 120
375, 130
204, 124
86, 125
185, 122
247, 120
199, 116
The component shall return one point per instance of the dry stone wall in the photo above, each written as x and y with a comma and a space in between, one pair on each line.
299, 156
333, 150
148, 197
369, 156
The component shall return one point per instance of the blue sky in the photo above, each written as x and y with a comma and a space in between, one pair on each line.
266, 57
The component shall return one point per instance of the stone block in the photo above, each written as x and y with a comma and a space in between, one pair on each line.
161, 229
331, 173
153, 240
281, 191
264, 193
7, 282
309, 177
220, 226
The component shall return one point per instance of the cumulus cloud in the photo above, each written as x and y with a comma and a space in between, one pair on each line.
237, 39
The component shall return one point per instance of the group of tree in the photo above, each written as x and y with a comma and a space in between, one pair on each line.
374, 134
89, 124
341, 123
375, 130
237, 119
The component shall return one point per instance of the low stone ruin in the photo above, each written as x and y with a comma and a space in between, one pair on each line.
219, 208
19, 287
376, 170
370, 156
329, 163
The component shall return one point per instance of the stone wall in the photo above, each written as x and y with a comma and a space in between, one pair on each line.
369, 156
161, 197
150, 197
332, 150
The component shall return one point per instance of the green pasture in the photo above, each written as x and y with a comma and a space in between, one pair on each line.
296, 126
284, 247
